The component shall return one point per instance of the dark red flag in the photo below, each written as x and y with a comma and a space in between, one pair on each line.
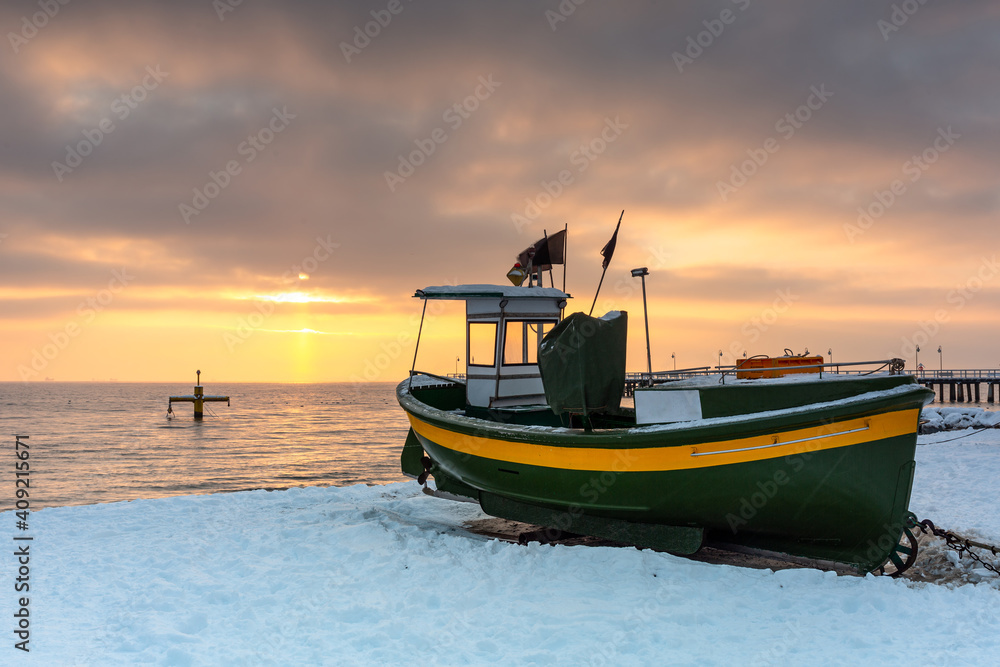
609, 248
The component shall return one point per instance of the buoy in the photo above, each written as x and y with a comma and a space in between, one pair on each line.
198, 398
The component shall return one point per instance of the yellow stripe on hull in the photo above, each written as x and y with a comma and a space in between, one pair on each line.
677, 457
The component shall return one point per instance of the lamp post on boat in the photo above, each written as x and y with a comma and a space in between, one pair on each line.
642, 273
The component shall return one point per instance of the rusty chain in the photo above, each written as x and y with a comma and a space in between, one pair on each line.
962, 545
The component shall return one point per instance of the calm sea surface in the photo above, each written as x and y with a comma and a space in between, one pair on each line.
96, 442
103, 442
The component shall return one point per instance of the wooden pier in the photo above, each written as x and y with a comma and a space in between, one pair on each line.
963, 385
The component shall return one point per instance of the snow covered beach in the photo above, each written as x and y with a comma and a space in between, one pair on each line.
387, 575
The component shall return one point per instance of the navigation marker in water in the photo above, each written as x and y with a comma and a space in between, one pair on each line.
198, 398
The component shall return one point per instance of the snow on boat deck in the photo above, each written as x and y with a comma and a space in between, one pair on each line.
387, 575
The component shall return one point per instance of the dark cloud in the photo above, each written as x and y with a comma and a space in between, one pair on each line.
560, 83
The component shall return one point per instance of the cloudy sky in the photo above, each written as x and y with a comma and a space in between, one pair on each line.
256, 188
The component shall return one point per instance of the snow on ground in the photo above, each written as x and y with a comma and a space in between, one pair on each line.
386, 575
957, 482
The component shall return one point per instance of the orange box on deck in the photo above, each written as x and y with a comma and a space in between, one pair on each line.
781, 366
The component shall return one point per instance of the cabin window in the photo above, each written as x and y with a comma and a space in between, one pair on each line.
482, 344
522, 338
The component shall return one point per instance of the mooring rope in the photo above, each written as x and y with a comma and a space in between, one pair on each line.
978, 430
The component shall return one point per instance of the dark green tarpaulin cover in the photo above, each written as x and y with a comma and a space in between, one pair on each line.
582, 361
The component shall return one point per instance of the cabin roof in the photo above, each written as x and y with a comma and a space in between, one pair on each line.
462, 292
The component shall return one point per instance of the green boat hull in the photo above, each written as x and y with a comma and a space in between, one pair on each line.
825, 477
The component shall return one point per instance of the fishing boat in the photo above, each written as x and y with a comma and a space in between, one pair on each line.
804, 463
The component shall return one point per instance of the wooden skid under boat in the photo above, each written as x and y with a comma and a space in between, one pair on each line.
815, 468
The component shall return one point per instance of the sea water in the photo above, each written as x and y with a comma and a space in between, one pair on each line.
94, 442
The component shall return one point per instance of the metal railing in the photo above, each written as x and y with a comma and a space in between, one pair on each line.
838, 368
958, 374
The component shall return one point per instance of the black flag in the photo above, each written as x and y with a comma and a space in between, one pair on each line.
609, 249
548, 251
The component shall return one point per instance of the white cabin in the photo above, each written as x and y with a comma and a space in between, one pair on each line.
503, 329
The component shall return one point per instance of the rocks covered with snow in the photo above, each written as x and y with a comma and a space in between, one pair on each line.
942, 419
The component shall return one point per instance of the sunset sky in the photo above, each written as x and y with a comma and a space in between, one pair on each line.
257, 188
